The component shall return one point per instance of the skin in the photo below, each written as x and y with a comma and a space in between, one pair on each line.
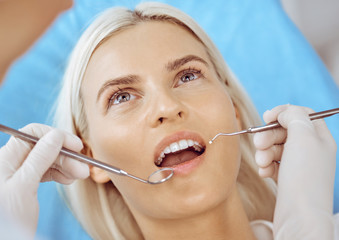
21, 23
160, 105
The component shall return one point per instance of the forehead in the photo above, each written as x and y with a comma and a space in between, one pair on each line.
147, 44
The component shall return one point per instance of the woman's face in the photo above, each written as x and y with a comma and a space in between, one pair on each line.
150, 90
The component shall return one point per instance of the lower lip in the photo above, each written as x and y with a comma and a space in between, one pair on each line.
187, 167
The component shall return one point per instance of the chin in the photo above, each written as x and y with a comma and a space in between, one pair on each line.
195, 206
197, 199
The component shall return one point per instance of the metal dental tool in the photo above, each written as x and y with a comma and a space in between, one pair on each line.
159, 176
313, 116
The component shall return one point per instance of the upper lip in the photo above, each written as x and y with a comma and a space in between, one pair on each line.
176, 137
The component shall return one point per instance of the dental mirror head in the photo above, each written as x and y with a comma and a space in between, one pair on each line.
160, 176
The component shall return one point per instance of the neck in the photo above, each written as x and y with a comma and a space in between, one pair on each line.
228, 220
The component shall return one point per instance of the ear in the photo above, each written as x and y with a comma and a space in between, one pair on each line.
98, 175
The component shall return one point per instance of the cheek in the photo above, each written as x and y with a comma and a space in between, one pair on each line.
115, 145
225, 151
109, 149
215, 108
227, 156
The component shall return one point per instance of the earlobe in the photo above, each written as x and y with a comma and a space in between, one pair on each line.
98, 175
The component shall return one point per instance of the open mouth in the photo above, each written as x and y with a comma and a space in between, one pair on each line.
179, 152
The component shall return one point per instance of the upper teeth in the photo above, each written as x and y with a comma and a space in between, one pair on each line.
178, 146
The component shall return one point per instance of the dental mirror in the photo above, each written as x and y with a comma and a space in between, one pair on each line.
159, 176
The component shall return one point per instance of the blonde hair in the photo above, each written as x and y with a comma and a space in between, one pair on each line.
100, 207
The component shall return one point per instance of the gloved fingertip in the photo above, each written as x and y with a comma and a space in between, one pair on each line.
74, 142
266, 115
266, 172
77, 140
81, 170
54, 136
84, 172
294, 115
258, 141
259, 158
255, 140
65, 181
262, 173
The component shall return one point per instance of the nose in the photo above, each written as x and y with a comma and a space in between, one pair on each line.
166, 108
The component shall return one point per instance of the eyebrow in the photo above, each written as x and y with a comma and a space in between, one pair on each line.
132, 79
123, 80
174, 65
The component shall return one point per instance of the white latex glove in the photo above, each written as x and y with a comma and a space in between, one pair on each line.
307, 152
23, 166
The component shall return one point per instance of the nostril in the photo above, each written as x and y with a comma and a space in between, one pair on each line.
178, 115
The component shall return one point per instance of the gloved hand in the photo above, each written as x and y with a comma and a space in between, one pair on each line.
23, 166
305, 175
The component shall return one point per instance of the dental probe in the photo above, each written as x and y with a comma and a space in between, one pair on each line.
313, 116
159, 176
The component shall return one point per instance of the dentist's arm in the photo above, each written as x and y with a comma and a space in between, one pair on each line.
23, 166
305, 176
22, 22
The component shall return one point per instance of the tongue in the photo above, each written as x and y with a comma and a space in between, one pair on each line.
180, 157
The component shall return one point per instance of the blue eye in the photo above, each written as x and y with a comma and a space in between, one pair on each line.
187, 77
122, 97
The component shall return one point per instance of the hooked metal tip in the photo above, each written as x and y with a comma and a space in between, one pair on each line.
227, 134
211, 141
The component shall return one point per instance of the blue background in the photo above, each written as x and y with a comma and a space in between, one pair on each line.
264, 49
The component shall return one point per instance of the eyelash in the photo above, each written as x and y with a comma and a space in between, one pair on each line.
190, 70
115, 95
181, 74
